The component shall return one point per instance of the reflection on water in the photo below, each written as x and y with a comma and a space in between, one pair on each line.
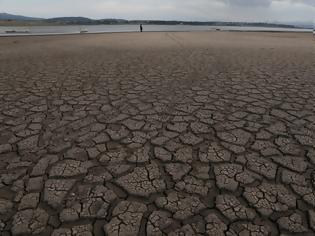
71, 29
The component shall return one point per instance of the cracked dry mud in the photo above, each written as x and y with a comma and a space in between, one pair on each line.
208, 133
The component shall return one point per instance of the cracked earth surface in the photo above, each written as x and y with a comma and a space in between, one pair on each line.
158, 134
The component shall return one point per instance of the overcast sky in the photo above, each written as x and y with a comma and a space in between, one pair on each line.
202, 10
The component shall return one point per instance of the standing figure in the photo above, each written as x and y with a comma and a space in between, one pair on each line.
141, 28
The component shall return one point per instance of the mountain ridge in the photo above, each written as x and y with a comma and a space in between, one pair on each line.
78, 20
7, 16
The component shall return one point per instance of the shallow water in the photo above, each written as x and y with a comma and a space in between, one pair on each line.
73, 29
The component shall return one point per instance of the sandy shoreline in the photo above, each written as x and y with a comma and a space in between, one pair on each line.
160, 40
155, 31
204, 133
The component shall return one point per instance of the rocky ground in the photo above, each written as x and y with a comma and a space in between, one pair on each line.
158, 134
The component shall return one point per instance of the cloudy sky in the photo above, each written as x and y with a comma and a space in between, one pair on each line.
202, 10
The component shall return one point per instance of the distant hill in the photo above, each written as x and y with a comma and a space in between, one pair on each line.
6, 16
84, 21
88, 21
7, 19
307, 25
70, 20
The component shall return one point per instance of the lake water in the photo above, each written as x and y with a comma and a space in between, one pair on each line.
70, 29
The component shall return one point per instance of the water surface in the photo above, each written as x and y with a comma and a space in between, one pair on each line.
74, 29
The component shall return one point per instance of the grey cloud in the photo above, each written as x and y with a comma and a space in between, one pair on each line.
306, 2
225, 10
265, 3
249, 3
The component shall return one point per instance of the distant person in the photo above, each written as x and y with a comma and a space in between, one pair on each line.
141, 28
